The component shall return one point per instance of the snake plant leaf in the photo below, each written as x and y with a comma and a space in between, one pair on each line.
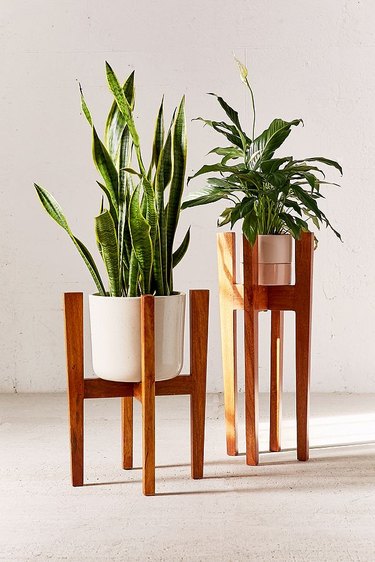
164, 170
116, 123
123, 257
106, 167
112, 209
158, 135
85, 109
55, 211
141, 240
125, 153
150, 205
162, 179
152, 219
122, 102
265, 145
106, 236
132, 171
127, 113
182, 249
133, 289
179, 151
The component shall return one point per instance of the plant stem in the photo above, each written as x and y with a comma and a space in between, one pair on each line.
253, 104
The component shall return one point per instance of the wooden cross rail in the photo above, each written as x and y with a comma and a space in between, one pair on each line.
253, 298
194, 385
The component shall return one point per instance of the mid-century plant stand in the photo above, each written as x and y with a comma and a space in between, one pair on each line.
80, 388
253, 298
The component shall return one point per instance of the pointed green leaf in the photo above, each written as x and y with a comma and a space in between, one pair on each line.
179, 150
106, 167
54, 210
85, 109
116, 122
270, 140
106, 236
123, 104
182, 249
158, 136
141, 240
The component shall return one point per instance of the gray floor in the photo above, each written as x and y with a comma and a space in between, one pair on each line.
323, 510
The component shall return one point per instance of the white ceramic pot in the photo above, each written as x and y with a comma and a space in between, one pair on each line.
116, 337
274, 259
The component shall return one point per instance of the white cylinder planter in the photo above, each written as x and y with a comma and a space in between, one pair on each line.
274, 259
116, 336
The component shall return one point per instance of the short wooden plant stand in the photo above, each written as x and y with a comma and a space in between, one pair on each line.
253, 298
194, 385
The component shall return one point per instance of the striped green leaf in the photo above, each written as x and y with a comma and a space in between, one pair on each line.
182, 249
55, 211
106, 167
116, 123
179, 151
141, 240
158, 136
85, 109
106, 237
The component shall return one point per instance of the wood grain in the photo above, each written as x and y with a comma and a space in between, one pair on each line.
100, 388
127, 432
226, 252
73, 306
251, 312
304, 271
148, 393
276, 378
199, 304
193, 384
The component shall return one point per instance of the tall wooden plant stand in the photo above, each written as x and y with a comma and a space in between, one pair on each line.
194, 385
253, 298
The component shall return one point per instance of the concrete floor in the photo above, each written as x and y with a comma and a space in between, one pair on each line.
283, 510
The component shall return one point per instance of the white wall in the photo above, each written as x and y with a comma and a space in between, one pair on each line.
306, 59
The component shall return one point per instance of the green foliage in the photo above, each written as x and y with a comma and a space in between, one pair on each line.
270, 195
136, 227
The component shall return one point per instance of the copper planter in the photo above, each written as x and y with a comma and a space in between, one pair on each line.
274, 259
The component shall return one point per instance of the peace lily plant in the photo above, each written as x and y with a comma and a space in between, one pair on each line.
135, 234
270, 195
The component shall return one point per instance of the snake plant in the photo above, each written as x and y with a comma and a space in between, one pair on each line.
270, 195
136, 226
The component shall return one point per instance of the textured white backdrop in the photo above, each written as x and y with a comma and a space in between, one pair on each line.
306, 59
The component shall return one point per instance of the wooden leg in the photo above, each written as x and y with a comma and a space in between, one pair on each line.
127, 432
228, 323
304, 269
303, 329
277, 336
251, 386
148, 394
73, 304
199, 303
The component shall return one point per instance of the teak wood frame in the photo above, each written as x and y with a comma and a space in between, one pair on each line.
253, 298
194, 384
